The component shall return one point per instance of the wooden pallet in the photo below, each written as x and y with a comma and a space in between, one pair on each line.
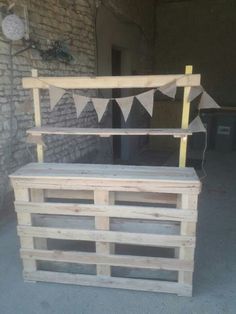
108, 226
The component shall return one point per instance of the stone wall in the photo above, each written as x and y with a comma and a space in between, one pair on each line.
51, 20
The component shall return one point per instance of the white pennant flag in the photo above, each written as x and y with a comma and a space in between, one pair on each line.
125, 105
147, 99
207, 102
169, 89
55, 94
100, 105
195, 92
197, 126
80, 103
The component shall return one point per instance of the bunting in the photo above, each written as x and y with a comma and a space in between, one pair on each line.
195, 92
169, 89
80, 103
125, 104
100, 105
55, 94
207, 102
196, 126
147, 99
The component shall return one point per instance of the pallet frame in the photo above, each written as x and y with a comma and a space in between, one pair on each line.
32, 201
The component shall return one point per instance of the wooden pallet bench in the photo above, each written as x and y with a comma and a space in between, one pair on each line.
108, 225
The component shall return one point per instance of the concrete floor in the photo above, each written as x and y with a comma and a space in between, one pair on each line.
215, 272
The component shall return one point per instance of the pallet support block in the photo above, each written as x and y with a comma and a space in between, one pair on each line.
25, 219
103, 223
38, 196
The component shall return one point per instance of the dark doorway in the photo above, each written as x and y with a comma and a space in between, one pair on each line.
116, 112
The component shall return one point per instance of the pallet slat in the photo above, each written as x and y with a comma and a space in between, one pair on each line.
111, 282
116, 211
113, 260
108, 236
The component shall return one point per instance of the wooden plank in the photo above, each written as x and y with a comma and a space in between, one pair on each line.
101, 170
103, 223
27, 242
108, 132
138, 81
187, 229
108, 236
83, 177
114, 260
158, 198
38, 196
185, 120
111, 282
37, 115
117, 211
107, 184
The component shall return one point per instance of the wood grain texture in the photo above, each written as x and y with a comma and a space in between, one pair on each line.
37, 115
107, 177
118, 211
25, 219
106, 82
108, 236
104, 259
109, 132
111, 282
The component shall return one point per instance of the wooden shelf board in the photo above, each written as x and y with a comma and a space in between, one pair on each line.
108, 132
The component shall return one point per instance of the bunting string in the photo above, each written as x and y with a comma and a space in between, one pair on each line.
146, 99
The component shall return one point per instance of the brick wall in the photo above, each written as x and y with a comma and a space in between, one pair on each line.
51, 20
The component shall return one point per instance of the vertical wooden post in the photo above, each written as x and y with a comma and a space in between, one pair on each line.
185, 121
187, 201
37, 195
25, 219
103, 223
37, 115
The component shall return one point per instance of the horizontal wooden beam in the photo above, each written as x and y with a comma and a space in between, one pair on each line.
108, 132
107, 236
107, 82
113, 260
116, 211
111, 282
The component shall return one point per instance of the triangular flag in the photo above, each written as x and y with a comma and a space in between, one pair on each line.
197, 126
55, 94
195, 92
169, 89
207, 102
80, 103
125, 104
100, 105
35, 139
146, 99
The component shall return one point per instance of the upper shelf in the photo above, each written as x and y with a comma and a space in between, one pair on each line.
108, 132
